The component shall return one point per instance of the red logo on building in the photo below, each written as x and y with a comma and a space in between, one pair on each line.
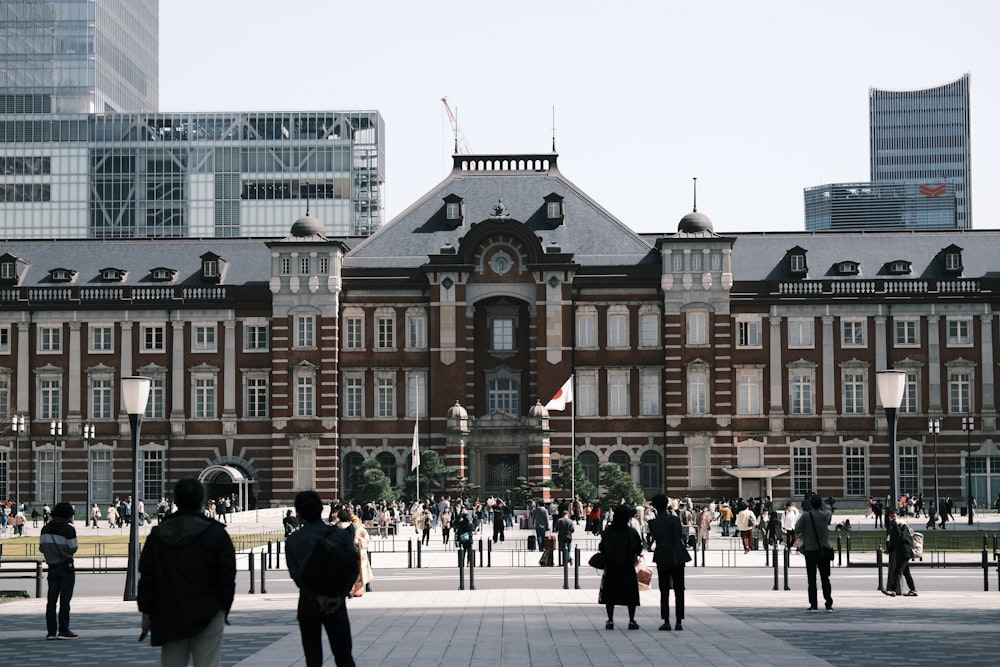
933, 190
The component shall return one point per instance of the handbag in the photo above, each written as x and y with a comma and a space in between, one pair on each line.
643, 574
825, 553
598, 561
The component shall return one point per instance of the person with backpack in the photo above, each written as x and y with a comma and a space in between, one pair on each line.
900, 550
318, 611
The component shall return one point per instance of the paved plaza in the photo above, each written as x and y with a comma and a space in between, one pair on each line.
522, 616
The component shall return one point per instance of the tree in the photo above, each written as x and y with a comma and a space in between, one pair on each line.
563, 479
432, 475
370, 484
526, 492
619, 484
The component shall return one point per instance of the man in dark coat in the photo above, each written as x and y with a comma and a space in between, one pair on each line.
670, 556
187, 581
900, 550
564, 534
58, 544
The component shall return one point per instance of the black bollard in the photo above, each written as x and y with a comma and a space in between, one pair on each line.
277, 555
695, 550
767, 557
775, 559
576, 569
368, 586
840, 553
848, 550
461, 569
788, 561
489, 553
480, 554
420, 551
263, 570
38, 579
252, 574
703, 545
269, 554
878, 564
986, 568
472, 569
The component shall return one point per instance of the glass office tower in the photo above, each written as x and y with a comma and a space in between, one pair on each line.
924, 136
79, 56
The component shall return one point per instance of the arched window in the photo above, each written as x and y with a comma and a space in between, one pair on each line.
387, 462
622, 460
651, 473
588, 461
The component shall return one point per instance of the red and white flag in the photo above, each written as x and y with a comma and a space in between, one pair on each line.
415, 452
562, 397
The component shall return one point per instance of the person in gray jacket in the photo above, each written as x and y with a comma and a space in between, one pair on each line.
58, 544
813, 532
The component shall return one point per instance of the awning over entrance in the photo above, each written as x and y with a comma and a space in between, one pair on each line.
215, 474
758, 474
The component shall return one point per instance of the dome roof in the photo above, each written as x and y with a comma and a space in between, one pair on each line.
308, 226
457, 412
695, 222
538, 410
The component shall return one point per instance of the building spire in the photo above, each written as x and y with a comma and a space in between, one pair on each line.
695, 187
553, 128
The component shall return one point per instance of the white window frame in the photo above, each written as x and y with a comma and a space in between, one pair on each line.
697, 327
800, 333
906, 332
204, 394
617, 327
50, 395
649, 327
416, 329
305, 391
959, 331
385, 330
256, 394
101, 385
748, 332
911, 393
803, 469
385, 394
854, 389
153, 338
5, 334
853, 332
256, 336
801, 389
204, 337
961, 383
354, 395
858, 452
354, 329
650, 396
49, 338
618, 392
502, 334
102, 338
585, 393
699, 466
503, 391
749, 391
586, 327
305, 331
698, 380
416, 394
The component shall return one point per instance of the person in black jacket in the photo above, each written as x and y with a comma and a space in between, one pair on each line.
58, 544
670, 556
187, 581
621, 546
900, 550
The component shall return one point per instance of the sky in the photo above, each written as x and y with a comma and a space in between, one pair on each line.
757, 100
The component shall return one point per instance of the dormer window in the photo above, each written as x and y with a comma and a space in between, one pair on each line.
111, 274
848, 268
899, 267
162, 274
796, 258
454, 210
952, 257
61, 275
8, 269
212, 267
555, 209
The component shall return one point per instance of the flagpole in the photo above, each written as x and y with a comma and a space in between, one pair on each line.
572, 444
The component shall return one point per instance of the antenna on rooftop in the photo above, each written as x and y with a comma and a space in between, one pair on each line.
553, 128
695, 186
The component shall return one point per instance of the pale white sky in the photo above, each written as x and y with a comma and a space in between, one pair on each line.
757, 99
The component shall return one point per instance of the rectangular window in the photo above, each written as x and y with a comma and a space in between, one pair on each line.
51, 398
697, 327
5, 461
800, 333
416, 394
384, 329
255, 338
855, 472
153, 338
801, 387
697, 391
203, 338
416, 332
155, 405
47, 471
286, 265
959, 392
5, 399
101, 398
101, 339
324, 265
699, 467
854, 393
50, 339
618, 393
204, 398
649, 330
502, 334
305, 465
909, 470
503, 393
906, 333
355, 333
959, 332
4, 339
304, 266
617, 330
586, 394
153, 469
802, 471
385, 398
911, 393
586, 329
305, 331
649, 392
748, 333
353, 396
100, 476
256, 392
748, 392
852, 333
305, 396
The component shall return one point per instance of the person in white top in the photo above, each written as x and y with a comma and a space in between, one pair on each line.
788, 523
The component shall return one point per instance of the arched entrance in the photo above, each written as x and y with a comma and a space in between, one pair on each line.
224, 481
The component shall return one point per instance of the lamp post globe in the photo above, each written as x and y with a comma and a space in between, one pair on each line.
135, 395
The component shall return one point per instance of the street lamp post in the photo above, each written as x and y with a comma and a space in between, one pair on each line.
135, 394
891, 386
968, 424
88, 435
17, 423
934, 427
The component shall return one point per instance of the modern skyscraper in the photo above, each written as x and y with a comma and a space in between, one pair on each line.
84, 153
924, 135
920, 166
79, 56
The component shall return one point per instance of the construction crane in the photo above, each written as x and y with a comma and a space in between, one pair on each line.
462, 146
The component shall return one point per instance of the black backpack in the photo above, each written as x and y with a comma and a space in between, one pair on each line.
333, 563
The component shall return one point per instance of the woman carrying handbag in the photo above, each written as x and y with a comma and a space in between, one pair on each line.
813, 532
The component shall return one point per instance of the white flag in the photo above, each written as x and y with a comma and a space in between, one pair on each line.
562, 397
415, 453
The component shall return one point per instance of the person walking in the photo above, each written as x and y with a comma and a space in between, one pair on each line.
788, 521
58, 544
725, 519
499, 519
316, 612
704, 527
813, 531
670, 556
900, 549
621, 546
540, 521
745, 521
187, 581
564, 534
